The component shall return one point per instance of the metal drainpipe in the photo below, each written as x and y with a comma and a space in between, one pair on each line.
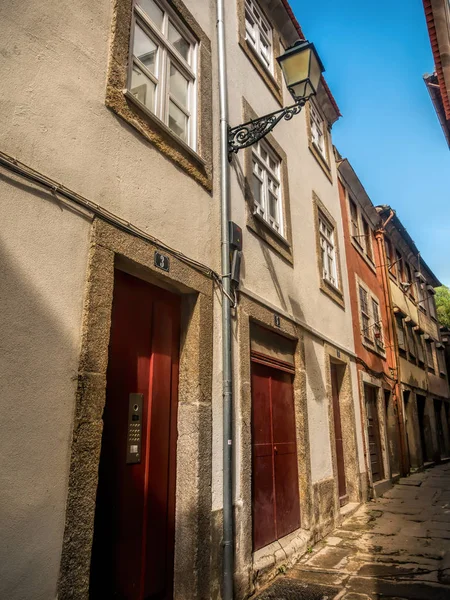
228, 569
391, 322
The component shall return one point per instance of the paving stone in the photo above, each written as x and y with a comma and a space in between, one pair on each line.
330, 557
333, 541
289, 589
410, 481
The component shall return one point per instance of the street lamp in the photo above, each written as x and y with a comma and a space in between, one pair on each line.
302, 69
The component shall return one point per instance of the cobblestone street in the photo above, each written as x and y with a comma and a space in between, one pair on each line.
396, 547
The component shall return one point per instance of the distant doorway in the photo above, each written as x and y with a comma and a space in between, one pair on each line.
339, 443
373, 433
422, 425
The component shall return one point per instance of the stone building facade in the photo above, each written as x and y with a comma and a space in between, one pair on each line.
111, 301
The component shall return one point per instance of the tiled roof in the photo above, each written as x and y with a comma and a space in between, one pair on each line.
302, 36
437, 56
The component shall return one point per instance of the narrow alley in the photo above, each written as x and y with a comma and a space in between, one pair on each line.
395, 547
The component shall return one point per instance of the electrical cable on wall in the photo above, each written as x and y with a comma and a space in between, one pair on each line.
55, 188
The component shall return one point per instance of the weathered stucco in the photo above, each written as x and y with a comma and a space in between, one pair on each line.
42, 272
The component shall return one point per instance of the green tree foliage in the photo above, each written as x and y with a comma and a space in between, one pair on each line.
443, 305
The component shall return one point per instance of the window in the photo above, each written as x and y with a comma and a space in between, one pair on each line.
432, 305
421, 295
328, 250
266, 185
258, 33
419, 346
377, 325
371, 325
367, 239
388, 248
400, 333
412, 351
430, 359
162, 74
399, 265
365, 315
317, 130
410, 281
354, 221
441, 360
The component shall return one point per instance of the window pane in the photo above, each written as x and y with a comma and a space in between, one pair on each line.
178, 121
179, 85
179, 42
257, 187
153, 11
143, 88
144, 49
273, 207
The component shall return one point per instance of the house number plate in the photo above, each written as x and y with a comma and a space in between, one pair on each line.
162, 261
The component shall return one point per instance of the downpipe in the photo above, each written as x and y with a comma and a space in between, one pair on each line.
228, 554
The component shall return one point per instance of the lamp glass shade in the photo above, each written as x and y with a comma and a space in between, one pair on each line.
302, 69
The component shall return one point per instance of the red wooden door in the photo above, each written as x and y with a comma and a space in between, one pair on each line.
275, 495
342, 484
132, 555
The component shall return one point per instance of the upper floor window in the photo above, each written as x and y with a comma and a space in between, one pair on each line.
162, 73
367, 239
421, 295
400, 333
259, 33
388, 248
441, 360
267, 186
430, 357
410, 281
399, 265
317, 129
354, 220
431, 303
412, 350
328, 249
419, 346
371, 325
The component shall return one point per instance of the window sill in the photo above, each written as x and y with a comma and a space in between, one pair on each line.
164, 127
442, 375
276, 241
369, 345
321, 160
333, 292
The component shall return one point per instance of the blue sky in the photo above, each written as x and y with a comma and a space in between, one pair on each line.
375, 54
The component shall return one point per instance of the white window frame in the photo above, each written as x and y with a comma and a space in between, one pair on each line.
357, 233
318, 130
269, 177
259, 34
354, 220
441, 360
370, 313
166, 54
327, 236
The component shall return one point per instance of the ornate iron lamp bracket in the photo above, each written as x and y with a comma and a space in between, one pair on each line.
247, 134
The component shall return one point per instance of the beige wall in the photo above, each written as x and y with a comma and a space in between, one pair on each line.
42, 274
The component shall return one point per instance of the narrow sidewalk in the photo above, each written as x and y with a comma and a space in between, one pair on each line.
396, 547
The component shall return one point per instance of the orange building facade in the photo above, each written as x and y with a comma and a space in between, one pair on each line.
373, 334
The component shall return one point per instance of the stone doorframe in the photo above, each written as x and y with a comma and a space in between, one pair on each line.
112, 248
264, 561
348, 422
381, 386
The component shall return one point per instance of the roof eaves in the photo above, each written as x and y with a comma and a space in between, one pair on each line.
429, 16
386, 209
302, 37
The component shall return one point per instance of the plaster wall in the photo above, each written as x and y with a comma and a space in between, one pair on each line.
44, 247
318, 410
54, 60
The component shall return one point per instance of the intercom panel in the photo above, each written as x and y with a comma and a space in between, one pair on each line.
134, 437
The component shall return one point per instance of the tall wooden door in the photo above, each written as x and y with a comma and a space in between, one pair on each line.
342, 484
275, 492
373, 432
132, 554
